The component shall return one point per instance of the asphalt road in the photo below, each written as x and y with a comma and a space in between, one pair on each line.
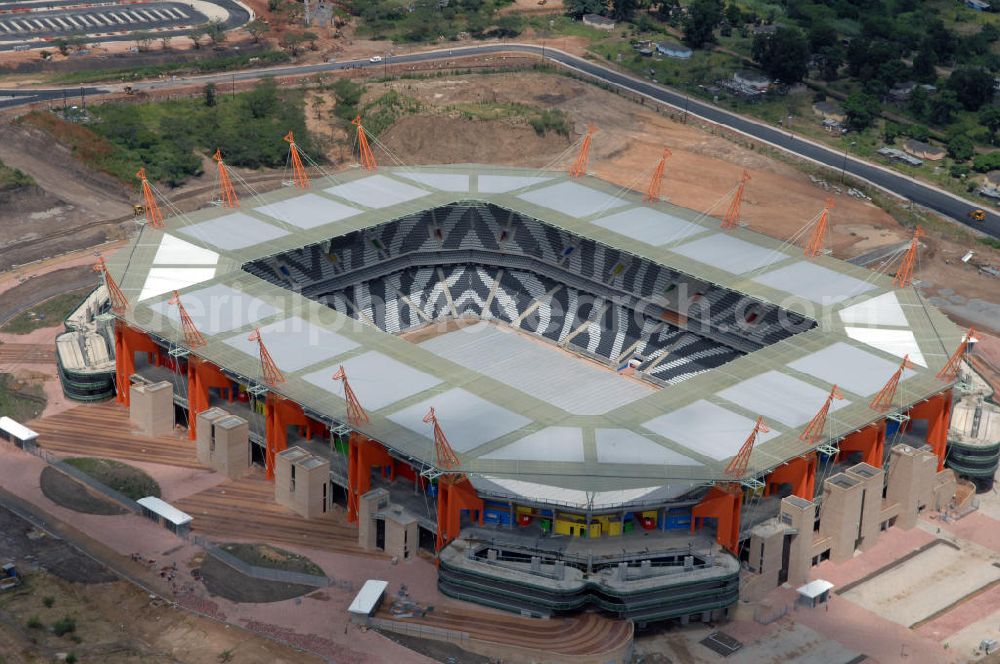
921, 194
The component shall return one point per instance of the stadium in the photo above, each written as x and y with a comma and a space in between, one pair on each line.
574, 395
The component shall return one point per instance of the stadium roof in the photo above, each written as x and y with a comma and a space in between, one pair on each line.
579, 428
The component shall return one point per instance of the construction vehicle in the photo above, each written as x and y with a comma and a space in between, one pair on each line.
129, 90
9, 577
978, 214
138, 210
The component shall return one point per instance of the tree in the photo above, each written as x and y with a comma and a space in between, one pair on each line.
983, 163
143, 40
941, 109
822, 35
258, 28
973, 87
890, 131
62, 45
262, 101
348, 96
918, 132
702, 19
209, 92
783, 55
292, 42
577, 8
861, 110
924, 62
919, 103
621, 10
195, 34
960, 148
216, 31
989, 117
830, 60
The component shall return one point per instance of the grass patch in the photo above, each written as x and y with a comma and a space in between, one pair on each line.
123, 478
263, 555
206, 66
50, 312
542, 120
20, 401
12, 178
167, 136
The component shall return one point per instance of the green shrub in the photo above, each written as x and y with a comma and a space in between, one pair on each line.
63, 626
48, 601
34, 622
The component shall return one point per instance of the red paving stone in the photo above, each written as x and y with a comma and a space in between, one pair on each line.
976, 527
962, 615
891, 546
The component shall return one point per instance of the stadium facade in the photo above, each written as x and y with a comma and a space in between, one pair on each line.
594, 361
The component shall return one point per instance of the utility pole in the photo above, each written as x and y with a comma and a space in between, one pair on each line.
234, 85
83, 98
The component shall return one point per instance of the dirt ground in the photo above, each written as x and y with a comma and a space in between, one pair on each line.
116, 622
222, 580
38, 289
64, 490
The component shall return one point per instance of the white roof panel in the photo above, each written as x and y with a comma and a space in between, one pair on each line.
707, 428
627, 446
15, 428
377, 191
895, 342
814, 589
541, 370
780, 397
880, 310
573, 199
549, 444
501, 184
729, 253
577, 498
165, 510
442, 181
160, 280
294, 343
217, 308
308, 211
368, 597
649, 226
175, 251
851, 368
814, 282
233, 231
467, 420
377, 379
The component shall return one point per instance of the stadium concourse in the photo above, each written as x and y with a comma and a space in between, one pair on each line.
573, 396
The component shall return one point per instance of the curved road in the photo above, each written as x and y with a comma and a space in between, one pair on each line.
896, 183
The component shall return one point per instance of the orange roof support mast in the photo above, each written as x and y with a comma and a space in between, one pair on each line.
814, 430
272, 374
579, 166
446, 457
905, 274
883, 400
818, 237
153, 215
226, 192
119, 303
949, 371
733, 213
299, 177
364, 150
192, 337
356, 414
738, 465
653, 191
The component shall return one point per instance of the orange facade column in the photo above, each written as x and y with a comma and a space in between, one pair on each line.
937, 412
281, 414
870, 441
800, 473
128, 342
724, 507
205, 376
363, 453
454, 497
